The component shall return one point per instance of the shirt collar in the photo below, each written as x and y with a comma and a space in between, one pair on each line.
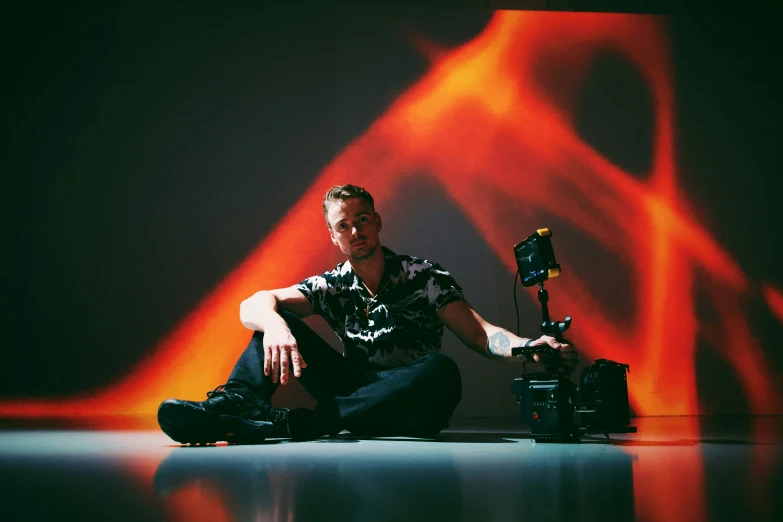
392, 270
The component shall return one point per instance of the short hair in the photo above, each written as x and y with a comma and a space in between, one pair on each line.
343, 192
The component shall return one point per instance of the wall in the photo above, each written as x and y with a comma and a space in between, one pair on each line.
164, 162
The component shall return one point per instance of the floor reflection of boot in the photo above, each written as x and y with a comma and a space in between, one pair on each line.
311, 481
229, 483
208, 483
198, 501
174, 473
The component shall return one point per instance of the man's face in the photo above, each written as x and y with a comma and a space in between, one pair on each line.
354, 227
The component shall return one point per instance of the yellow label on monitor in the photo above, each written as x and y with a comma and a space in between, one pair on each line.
543, 232
554, 272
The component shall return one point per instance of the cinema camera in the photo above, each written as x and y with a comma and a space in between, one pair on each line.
554, 407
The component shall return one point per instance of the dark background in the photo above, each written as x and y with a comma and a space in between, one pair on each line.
148, 148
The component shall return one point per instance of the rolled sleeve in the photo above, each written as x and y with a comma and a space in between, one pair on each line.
315, 289
442, 289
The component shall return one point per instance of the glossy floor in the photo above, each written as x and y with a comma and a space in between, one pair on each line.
695, 469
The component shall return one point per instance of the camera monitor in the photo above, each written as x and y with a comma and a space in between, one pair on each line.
536, 258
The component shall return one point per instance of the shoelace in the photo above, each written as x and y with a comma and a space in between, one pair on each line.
219, 389
234, 394
277, 414
229, 392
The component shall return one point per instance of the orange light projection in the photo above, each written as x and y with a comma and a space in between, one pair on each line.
482, 116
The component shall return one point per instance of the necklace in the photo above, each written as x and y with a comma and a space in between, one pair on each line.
368, 302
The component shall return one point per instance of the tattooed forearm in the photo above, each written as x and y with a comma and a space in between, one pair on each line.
499, 344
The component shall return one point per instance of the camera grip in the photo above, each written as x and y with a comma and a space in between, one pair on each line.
548, 356
529, 351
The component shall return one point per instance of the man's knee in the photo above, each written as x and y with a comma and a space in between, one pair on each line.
440, 364
444, 371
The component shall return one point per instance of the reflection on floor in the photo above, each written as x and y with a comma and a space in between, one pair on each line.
675, 468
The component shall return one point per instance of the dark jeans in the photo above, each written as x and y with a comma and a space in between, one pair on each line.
415, 400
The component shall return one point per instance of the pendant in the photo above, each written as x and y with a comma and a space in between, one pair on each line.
367, 312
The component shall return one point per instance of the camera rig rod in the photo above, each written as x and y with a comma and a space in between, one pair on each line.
554, 328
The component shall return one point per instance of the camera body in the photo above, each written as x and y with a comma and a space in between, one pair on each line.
556, 409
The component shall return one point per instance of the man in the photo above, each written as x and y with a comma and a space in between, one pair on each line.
389, 310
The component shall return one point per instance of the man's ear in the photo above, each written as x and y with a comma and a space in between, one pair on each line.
331, 235
378, 222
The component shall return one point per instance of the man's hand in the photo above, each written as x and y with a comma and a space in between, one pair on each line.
280, 348
568, 356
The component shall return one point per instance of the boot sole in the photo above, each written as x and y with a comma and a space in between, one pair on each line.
186, 424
